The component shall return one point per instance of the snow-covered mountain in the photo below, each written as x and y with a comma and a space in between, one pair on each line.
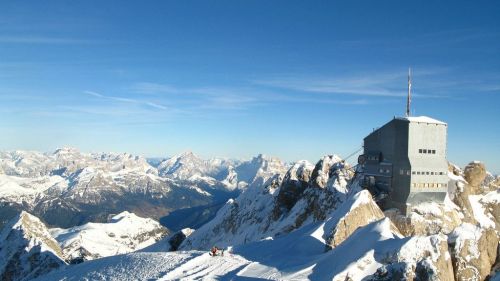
68, 188
27, 249
123, 233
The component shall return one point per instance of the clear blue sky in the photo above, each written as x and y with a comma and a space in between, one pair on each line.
293, 79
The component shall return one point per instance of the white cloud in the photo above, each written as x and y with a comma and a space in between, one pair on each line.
126, 100
391, 85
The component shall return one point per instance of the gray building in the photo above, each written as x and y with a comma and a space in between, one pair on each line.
404, 162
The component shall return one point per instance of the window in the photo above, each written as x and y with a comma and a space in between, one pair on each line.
425, 151
433, 151
408, 172
420, 151
413, 173
432, 173
418, 173
438, 185
401, 171
441, 173
427, 173
381, 170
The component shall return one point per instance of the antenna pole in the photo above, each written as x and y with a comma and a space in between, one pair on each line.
408, 99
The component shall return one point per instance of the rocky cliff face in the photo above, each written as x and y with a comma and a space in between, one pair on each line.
27, 250
473, 251
306, 193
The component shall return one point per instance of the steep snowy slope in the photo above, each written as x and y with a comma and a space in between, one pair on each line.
27, 249
123, 233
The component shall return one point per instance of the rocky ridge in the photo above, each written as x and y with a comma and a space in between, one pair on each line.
27, 250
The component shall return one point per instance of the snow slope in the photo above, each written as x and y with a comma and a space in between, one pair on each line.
299, 255
124, 233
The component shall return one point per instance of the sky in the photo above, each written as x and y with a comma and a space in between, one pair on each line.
291, 79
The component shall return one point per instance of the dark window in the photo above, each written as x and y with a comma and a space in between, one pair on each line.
433, 151
420, 151
413, 173
427, 173
425, 150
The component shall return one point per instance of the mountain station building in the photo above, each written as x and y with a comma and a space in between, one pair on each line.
404, 162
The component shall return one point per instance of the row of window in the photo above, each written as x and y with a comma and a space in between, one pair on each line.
427, 173
427, 151
429, 185
407, 172
384, 171
372, 157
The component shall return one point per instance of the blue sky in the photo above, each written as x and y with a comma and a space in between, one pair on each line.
293, 79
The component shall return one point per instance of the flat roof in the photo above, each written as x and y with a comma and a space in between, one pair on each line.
421, 119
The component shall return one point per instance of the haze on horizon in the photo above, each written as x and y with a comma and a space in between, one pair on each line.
291, 79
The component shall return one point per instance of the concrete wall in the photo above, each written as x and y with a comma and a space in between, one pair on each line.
433, 167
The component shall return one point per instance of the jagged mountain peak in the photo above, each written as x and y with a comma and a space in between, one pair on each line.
27, 249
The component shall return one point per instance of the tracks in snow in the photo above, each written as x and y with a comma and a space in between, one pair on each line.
206, 267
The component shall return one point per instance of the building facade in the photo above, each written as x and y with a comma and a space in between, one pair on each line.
404, 162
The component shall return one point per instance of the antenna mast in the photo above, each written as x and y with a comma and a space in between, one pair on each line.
408, 99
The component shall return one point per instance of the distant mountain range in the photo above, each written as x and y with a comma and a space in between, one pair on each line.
68, 188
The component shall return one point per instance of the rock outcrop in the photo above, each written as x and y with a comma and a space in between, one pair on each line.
473, 251
459, 191
176, 239
474, 174
357, 211
296, 180
427, 219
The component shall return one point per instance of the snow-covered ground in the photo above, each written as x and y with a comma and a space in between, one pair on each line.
124, 233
